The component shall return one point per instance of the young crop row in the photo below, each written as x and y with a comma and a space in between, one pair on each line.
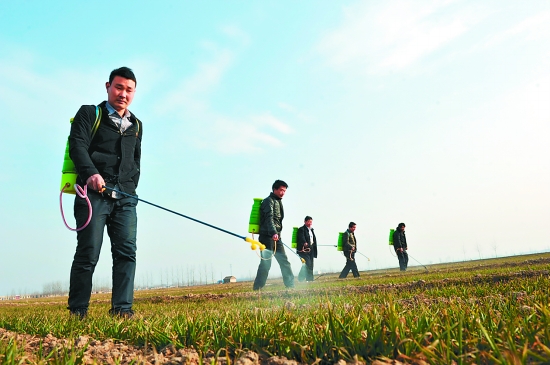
488, 318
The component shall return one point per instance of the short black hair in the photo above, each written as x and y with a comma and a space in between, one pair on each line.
351, 224
401, 225
278, 183
125, 72
307, 218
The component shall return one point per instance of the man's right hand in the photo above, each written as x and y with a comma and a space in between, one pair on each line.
275, 237
96, 182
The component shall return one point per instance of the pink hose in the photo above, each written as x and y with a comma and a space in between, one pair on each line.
83, 193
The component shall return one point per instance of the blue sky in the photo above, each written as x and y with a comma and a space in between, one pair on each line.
432, 113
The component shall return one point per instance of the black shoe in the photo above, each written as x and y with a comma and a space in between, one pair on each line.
124, 313
79, 313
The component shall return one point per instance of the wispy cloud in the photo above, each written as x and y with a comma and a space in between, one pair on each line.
295, 113
190, 96
390, 36
269, 120
190, 100
533, 28
250, 135
237, 34
25, 86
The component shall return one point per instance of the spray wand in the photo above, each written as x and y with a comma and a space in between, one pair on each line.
253, 243
355, 251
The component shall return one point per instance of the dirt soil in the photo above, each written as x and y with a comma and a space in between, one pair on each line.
93, 351
109, 352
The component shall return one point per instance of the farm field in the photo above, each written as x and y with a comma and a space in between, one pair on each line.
477, 312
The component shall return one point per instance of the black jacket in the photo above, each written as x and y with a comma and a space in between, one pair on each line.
303, 237
348, 241
399, 239
114, 155
271, 215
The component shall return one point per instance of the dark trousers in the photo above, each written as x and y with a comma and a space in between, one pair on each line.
350, 265
306, 273
265, 264
403, 258
119, 216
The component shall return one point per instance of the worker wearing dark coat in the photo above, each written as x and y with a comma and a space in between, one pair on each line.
271, 225
349, 245
107, 154
306, 248
400, 246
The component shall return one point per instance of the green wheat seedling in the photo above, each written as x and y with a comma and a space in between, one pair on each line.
489, 314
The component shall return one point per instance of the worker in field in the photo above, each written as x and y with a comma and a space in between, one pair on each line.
349, 245
306, 247
107, 153
400, 246
271, 225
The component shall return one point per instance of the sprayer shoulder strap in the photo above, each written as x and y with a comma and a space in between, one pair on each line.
97, 122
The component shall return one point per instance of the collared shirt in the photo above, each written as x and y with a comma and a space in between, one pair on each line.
352, 236
123, 122
310, 235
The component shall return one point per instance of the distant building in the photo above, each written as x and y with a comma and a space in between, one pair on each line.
229, 279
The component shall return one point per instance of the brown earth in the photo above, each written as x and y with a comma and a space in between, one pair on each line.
109, 352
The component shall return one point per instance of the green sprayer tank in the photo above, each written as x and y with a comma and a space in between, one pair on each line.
392, 231
340, 244
294, 237
254, 222
68, 173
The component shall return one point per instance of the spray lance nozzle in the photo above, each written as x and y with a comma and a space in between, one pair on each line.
255, 244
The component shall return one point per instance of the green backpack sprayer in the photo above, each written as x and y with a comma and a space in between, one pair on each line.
69, 186
294, 243
340, 245
392, 231
69, 175
254, 228
68, 172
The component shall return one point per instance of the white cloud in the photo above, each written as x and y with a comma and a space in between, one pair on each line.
295, 113
190, 95
533, 28
394, 35
270, 120
190, 101
236, 33
246, 136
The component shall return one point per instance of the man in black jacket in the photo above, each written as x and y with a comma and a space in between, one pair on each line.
349, 245
400, 246
110, 156
306, 247
271, 225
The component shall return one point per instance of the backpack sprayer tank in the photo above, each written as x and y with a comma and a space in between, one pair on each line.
392, 231
254, 222
340, 247
294, 237
68, 172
